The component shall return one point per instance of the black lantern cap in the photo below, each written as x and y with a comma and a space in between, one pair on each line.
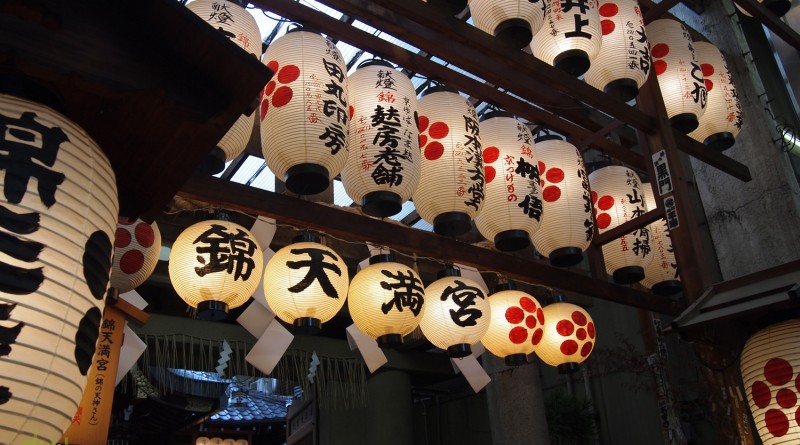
381, 258
212, 310
667, 288
516, 360
307, 237
376, 62
574, 62
505, 285
448, 271
307, 325
495, 113
459, 350
623, 89
547, 137
568, 368
566, 256
307, 179
515, 32
452, 223
684, 122
720, 141
628, 275
389, 341
381, 203
511, 240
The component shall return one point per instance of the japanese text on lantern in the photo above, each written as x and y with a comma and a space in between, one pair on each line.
588, 222
408, 292
473, 156
231, 253
531, 204
464, 295
102, 359
316, 266
334, 106
641, 241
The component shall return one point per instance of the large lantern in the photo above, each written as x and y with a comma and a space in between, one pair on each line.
567, 226
304, 111
722, 120
623, 63
680, 77
571, 35
512, 21
661, 275
59, 210
770, 365
386, 300
137, 246
215, 265
569, 336
513, 206
516, 328
306, 283
450, 192
383, 167
456, 315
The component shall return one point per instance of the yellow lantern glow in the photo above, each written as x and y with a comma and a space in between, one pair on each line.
661, 275
202, 440
137, 246
512, 21
778, 7
571, 36
59, 211
569, 336
516, 328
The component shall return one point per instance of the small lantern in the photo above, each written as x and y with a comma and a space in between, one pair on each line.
516, 328
618, 198
383, 167
661, 275
386, 300
569, 336
571, 35
778, 7
513, 206
214, 266
202, 440
306, 284
770, 365
722, 120
457, 313
59, 211
451, 189
512, 21
137, 246
304, 111
623, 63
567, 226
680, 77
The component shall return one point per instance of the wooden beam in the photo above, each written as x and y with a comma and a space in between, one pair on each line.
628, 227
658, 10
771, 21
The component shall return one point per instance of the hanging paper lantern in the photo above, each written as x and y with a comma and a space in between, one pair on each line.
386, 300
450, 192
383, 167
304, 111
623, 63
770, 365
567, 226
680, 77
137, 246
457, 313
242, 442
516, 328
513, 206
778, 7
661, 275
216, 441
59, 210
306, 284
512, 21
228, 442
569, 336
214, 266
722, 120
570, 37
202, 440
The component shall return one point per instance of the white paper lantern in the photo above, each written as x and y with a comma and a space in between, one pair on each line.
214, 266
216, 441
516, 328
570, 37
306, 284
383, 166
680, 77
778, 7
567, 226
137, 246
457, 313
512, 21
228, 442
386, 300
569, 336
513, 206
202, 440
59, 211
623, 63
451, 189
770, 365
661, 275
722, 119
242, 442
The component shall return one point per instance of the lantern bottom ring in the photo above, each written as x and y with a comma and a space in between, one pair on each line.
516, 360
574, 61
449, 7
684, 122
459, 350
307, 179
307, 325
510, 240
452, 223
667, 288
720, 141
628, 274
566, 256
568, 368
213, 163
381, 204
778, 7
516, 32
623, 89
390, 340
212, 310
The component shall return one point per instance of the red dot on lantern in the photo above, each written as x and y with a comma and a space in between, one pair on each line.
603, 220
594, 196
569, 347
555, 175
797, 417
709, 84
590, 330
423, 140
565, 328
434, 151
530, 321
797, 382
609, 10
760, 393
122, 237
605, 202
273, 65
288, 74
660, 50
514, 315
144, 234
489, 173
537, 336
707, 68
490, 155
607, 26
660, 66
776, 421
518, 335
528, 304
586, 349
282, 96
581, 334
352, 112
786, 398
439, 130
270, 87
579, 318
778, 371
423, 123
264, 108
551, 193
540, 315
131, 261
541, 167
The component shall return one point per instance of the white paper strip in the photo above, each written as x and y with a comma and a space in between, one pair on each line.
264, 230
473, 274
372, 354
132, 348
135, 299
256, 318
269, 349
258, 295
477, 350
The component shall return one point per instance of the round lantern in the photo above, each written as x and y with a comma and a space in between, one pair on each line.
457, 313
137, 246
242, 442
306, 284
383, 168
770, 365
386, 300
567, 226
661, 275
511, 21
214, 266
680, 77
513, 206
450, 192
722, 120
202, 440
228, 442
59, 210
623, 63
216, 441
569, 336
571, 35
304, 111
516, 328
778, 7
618, 198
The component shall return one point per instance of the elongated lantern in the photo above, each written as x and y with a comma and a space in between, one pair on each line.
679, 75
58, 215
661, 275
623, 63
512, 21
383, 167
571, 36
516, 328
137, 246
451, 189
569, 336
513, 206
304, 111
567, 226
